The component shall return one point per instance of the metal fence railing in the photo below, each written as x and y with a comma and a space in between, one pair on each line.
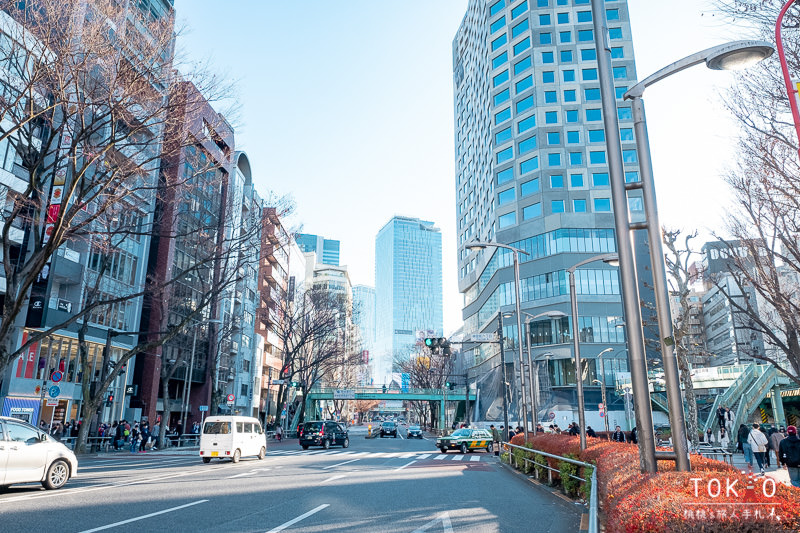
593, 507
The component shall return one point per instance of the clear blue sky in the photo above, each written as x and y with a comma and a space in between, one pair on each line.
348, 106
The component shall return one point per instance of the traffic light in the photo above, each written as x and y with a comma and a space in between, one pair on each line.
447, 385
110, 399
122, 369
285, 372
437, 343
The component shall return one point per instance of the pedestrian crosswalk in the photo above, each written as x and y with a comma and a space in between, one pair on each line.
346, 454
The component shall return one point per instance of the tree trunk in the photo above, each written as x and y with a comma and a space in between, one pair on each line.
688, 388
167, 411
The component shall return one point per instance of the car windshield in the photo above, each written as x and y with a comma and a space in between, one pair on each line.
313, 426
461, 433
388, 424
413, 428
217, 428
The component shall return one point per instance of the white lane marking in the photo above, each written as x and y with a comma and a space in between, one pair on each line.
301, 517
344, 463
399, 435
405, 465
424, 456
332, 478
407, 455
475, 458
444, 518
128, 521
250, 473
440, 457
458, 457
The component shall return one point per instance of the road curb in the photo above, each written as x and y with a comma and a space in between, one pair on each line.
547, 488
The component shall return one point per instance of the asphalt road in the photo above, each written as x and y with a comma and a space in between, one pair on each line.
376, 485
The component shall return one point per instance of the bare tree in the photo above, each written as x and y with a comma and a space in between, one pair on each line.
426, 371
678, 260
765, 223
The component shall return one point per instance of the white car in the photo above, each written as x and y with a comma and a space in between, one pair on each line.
232, 437
29, 455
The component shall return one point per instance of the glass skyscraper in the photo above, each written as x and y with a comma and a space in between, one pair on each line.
531, 172
408, 289
327, 250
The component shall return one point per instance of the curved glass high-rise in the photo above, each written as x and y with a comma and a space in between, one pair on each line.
531, 172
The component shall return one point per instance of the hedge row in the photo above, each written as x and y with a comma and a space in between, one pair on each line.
713, 497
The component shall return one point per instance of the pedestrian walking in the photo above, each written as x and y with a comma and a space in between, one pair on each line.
573, 429
634, 437
709, 433
728, 419
618, 435
722, 416
758, 442
279, 433
774, 443
723, 440
744, 445
789, 455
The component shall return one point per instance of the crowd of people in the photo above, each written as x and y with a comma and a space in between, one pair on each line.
135, 436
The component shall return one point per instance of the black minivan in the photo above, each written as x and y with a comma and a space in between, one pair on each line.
325, 433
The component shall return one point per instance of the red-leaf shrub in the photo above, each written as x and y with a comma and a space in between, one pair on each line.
671, 501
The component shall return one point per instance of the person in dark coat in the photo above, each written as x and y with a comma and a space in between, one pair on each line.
789, 455
741, 437
590, 432
634, 438
618, 435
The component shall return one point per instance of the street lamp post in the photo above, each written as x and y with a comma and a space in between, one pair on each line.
187, 388
726, 56
531, 379
734, 55
515, 253
576, 345
602, 382
791, 87
504, 376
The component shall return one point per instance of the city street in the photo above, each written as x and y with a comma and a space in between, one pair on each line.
389, 485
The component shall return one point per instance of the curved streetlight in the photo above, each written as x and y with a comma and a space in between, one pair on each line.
602, 382
729, 56
612, 259
478, 245
791, 88
531, 381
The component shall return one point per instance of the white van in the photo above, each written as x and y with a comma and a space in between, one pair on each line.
232, 437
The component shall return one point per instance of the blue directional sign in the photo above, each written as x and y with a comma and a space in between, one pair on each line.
405, 381
54, 391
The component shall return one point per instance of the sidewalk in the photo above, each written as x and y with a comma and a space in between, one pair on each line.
778, 474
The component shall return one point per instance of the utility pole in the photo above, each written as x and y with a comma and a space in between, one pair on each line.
505, 378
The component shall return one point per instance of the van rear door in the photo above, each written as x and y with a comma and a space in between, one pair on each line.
217, 438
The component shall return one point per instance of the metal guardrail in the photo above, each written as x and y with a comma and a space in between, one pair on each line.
593, 519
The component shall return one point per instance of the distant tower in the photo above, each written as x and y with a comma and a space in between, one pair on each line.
326, 249
408, 288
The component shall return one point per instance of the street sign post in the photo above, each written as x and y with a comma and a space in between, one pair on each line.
231, 398
54, 391
56, 376
278, 381
483, 337
345, 394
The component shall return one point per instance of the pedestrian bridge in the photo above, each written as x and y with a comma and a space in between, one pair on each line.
379, 393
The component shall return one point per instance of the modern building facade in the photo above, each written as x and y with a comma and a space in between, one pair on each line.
531, 172
364, 319
408, 289
327, 250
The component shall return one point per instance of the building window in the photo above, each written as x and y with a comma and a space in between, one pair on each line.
505, 155
570, 96
591, 94
553, 138
547, 57
500, 60
496, 8
505, 175
629, 156
576, 180
526, 124
544, 20
554, 160
550, 97
576, 158
612, 14
584, 16
525, 104
602, 205
502, 136
578, 206
615, 33
529, 187
631, 176
585, 36
519, 10
500, 79
588, 54
500, 41
597, 158
597, 136
501, 97
545, 38
557, 182
557, 206
626, 134
562, 18
524, 83
522, 66
624, 113
551, 117
589, 74
527, 145
497, 25
566, 56
502, 116
522, 46
532, 211
593, 115
565, 37
620, 73
572, 115
506, 197
573, 137
635, 204
509, 219
517, 30
617, 52
529, 165
568, 75
619, 92
600, 179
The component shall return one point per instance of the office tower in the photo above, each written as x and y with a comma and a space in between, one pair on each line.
531, 172
327, 250
408, 289
364, 318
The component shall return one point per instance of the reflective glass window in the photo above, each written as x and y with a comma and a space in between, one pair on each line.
524, 104
526, 124
597, 157
600, 179
554, 160
529, 165
500, 78
553, 138
524, 83
532, 211
576, 180
551, 117
500, 60
521, 46
573, 137
597, 136
588, 54
585, 36
502, 116
527, 145
593, 115
505, 155
568, 75
517, 30
505, 197
509, 219
557, 206
519, 10
550, 97
496, 8
578, 206
602, 205
576, 158
501, 97
502, 136
500, 41
497, 25
529, 187
505, 175
547, 57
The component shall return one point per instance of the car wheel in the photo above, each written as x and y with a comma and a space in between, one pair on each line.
236, 456
443, 449
57, 475
304, 446
262, 453
464, 448
346, 443
395, 435
206, 460
326, 444
489, 448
